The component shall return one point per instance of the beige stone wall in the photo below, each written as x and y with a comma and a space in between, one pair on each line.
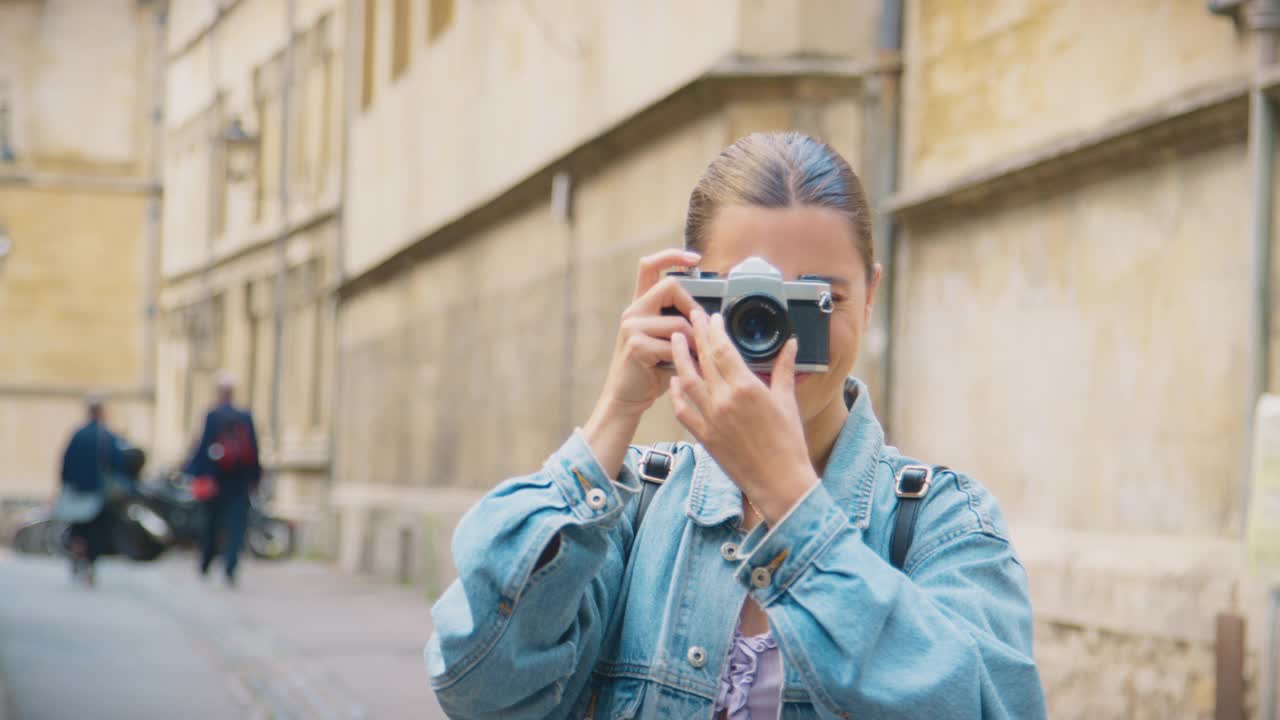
75, 198
224, 224
1090, 673
1081, 347
1039, 336
523, 90
234, 70
71, 291
241, 340
78, 105
987, 79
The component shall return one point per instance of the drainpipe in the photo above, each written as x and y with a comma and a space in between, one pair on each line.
151, 272
352, 49
282, 237
198, 321
1262, 17
1264, 21
889, 77
562, 211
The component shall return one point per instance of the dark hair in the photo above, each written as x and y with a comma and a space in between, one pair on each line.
778, 170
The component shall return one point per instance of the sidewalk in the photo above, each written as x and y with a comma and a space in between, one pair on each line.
296, 640
302, 640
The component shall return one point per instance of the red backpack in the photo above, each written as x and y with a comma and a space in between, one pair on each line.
233, 448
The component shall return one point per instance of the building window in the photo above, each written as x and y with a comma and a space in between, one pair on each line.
368, 75
315, 110
266, 92
439, 17
400, 33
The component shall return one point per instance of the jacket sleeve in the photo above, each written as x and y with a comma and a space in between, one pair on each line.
255, 472
516, 637
66, 461
950, 640
199, 462
114, 452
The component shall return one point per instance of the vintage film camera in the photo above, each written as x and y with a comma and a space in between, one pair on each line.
761, 311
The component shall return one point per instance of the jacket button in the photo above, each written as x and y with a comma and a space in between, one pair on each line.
697, 656
596, 498
729, 551
761, 577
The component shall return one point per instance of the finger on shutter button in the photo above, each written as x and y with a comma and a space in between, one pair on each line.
596, 498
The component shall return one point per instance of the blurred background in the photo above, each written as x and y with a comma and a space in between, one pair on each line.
408, 227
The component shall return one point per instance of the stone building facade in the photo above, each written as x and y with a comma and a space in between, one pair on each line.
1077, 319
409, 227
253, 155
1070, 225
79, 227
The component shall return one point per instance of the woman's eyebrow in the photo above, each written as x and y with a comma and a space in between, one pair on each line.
833, 280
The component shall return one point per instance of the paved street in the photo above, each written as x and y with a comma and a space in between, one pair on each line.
295, 640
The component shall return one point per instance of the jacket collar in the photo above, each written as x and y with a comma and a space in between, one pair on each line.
849, 477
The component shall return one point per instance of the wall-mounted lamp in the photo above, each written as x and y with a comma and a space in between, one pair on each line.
242, 151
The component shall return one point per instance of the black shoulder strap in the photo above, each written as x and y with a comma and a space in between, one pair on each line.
911, 486
655, 466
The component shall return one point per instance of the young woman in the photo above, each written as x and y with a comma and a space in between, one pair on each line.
759, 583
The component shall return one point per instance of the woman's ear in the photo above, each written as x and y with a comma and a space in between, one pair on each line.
873, 282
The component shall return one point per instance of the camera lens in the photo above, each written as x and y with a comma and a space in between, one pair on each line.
758, 325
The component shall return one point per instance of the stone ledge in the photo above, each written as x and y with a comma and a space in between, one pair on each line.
1198, 120
1165, 586
257, 240
78, 392
436, 501
84, 183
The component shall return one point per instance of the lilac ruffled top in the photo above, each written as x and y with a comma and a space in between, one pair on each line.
752, 682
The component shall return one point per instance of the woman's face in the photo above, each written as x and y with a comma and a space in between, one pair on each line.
804, 240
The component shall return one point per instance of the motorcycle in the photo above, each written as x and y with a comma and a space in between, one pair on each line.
267, 537
137, 531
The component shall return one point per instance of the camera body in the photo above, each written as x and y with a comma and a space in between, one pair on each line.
761, 311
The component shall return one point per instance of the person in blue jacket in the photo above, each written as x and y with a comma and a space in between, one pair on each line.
763, 580
91, 455
228, 454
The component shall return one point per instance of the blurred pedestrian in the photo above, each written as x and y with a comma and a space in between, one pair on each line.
227, 471
93, 453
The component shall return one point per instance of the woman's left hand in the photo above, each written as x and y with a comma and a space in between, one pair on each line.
753, 430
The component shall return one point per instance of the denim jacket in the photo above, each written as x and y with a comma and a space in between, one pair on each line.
620, 624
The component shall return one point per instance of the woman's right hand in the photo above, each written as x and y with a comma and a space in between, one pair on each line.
635, 380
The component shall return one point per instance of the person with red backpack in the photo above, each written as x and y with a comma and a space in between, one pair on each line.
226, 470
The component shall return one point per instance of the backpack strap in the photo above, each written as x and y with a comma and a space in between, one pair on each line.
911, 486
655, 465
